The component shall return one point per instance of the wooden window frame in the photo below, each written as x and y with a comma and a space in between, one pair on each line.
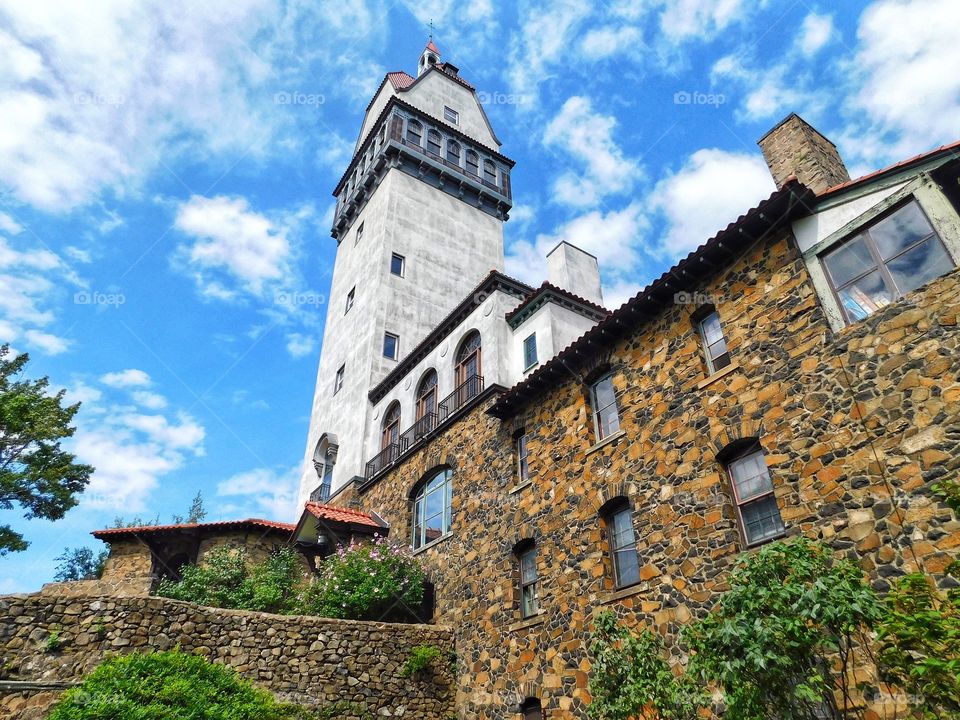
529, 581
597, 410
390, 432
490, 177
475, 165
452, 156
460, 370
424, 395
434, 138
740, 503
619, 508
523, 453
712, 362
411, 132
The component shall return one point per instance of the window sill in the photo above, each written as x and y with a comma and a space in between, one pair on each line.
432, 543
522, 486
529, 622
529, 368
609, 440
624, 593
717, 375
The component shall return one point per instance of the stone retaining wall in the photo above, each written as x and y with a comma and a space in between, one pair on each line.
306, 660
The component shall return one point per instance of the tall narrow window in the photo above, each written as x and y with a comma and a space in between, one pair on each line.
433, 142
490, 172
623, 545
382, 135
359, 236
451, 115
529, 582
530, 352
606, 417
714, 344
391, 346
397, 264
324, 458
453, 152
523, 468
473, 163
350, 296
883, 263
391, 426
753, 491
414, 132
531, 709
433, 508
338, 380
427, 400
467, 372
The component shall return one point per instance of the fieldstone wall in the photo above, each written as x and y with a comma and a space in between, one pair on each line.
306, 660
856, 427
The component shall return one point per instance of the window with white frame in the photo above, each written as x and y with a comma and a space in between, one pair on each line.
623, 545
883, 262
530, 351
338, 380
523, 468
714, 343
451, 115
603, 398
753, 492
433, 508
397, 264
391, 346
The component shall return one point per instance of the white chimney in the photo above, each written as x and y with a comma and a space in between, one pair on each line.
575, 271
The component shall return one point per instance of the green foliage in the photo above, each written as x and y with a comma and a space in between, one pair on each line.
195, 514
226, 580
630, 675
368, 581
54, 640
80, 564
783, 635
919, 645
949, 491
35, 472
169, 686
421, 657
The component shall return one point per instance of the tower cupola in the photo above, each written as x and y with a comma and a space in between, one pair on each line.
429, 56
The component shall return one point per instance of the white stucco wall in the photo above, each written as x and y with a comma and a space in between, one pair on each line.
435, 90
575, 270
556, 328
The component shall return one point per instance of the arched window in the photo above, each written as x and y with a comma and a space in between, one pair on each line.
391, 426
490, 172
622, 539
531, 709
433, 142
414, 131
432, 508
427, 396
324, 458
473, 163
468, 368
453, 152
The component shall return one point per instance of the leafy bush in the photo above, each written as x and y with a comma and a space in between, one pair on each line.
226, 580
421, 657
378, 580
169, 686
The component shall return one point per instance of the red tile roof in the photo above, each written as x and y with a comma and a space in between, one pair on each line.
322, 511
952, 147
548, 287
431, 46
221, 525
400, 80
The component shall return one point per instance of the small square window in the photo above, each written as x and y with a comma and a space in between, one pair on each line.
350, 296
397, 264
530, 352
359, 236
338, 380
391, 346
451, 115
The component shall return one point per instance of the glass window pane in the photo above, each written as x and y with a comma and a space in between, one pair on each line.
531, 601
627, 566
720, 361
609, 421
717, 349
918, 266
712, 332
528, 566
435, 502
761, 519
865, 296
900, 230
751, 476
604, 393
848, 261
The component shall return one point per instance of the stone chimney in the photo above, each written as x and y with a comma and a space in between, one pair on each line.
794, 147
576, 271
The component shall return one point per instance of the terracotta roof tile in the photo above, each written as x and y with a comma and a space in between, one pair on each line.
955, 146
549, 287
220, 525
400, 80
322, 511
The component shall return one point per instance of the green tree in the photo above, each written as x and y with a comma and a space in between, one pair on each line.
80, 564
195, 514
35, 472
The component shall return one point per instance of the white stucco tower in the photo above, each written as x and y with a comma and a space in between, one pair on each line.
418, 223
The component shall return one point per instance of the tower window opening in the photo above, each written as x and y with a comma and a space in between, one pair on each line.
414, 132
433, 143
490, 172
391, 346
453, 152
397, 264
473, 163
451, 115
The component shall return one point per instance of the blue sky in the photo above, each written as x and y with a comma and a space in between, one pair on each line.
166, 168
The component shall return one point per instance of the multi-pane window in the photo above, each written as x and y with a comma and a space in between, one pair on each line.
623, 547
753, 492
391, 346
530, 351
432, 509
473, 163
338, 380
490, 172
414, 132
433, 142
451, 115
390, 435
453, 152
606, 417
397, 263
529, 584
714, 344
884, 262
350, 296
359, 236
523, 467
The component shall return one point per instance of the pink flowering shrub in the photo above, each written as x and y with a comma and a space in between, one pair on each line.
376, 580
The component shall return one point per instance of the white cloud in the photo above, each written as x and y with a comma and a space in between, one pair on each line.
610, 40
588, 137
699, 18
149, 400
50, 344
815, 32
618, 292
9, 225
299, 345
264, 491
126, 378
183, 434
710, 191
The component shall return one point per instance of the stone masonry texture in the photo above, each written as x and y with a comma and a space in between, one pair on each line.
856, 427
306, 660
